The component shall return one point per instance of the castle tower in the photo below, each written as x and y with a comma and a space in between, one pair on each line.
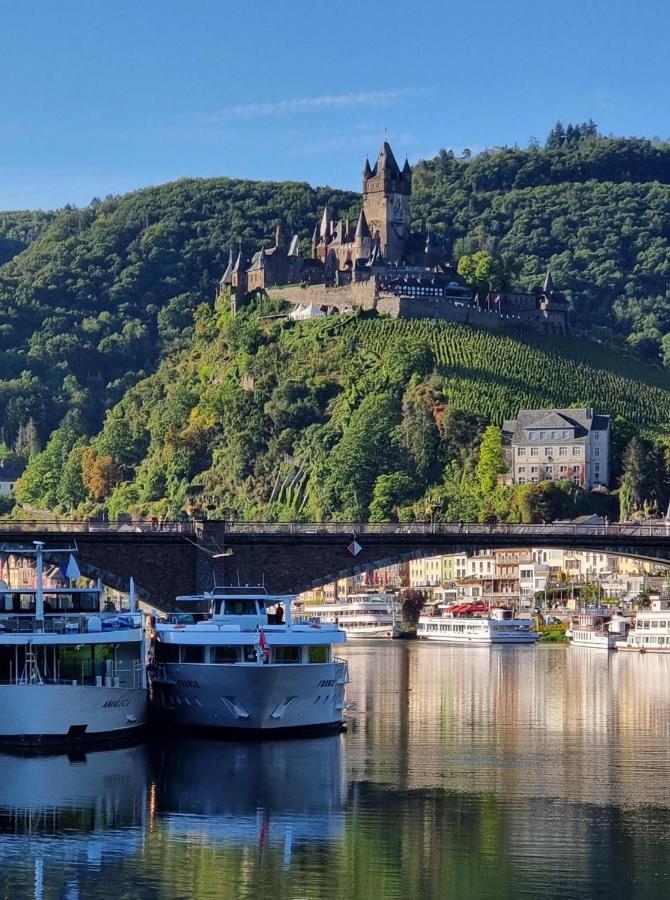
386, 203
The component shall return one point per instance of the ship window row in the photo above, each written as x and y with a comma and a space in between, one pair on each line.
650, 639
246, 653
646, 623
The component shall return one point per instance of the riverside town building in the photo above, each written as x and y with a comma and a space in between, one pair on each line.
382, 263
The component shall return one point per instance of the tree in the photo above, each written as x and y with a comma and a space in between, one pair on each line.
411, 603
640, 481
390, 492
491, 459
99, 474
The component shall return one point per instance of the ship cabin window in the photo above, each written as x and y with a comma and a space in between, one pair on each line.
249, 653
223, 654
166, 653
662, 624
318, 654
77, 601
16, 602
236, 607
193, 654
286, 654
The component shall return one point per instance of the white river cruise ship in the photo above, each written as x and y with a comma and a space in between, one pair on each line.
651, 630
71, 671
233, 664
597, 629
366, 615
475, 623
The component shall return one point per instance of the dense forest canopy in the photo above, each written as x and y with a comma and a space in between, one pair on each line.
92, 300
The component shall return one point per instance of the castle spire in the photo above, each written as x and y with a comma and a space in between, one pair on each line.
367, 171
406, 169
227, 276
386, 162
548, 287
325, 224
362, 229
294, 249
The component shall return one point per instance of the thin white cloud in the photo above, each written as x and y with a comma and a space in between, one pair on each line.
359, 141
310, 104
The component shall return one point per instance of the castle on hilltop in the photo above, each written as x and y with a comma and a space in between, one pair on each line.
382, 264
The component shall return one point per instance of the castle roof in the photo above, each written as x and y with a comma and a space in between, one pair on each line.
294, 249
548, 287
257, 261
362, 229
227, 276
386, 162
238, 262
325, 224
406, 169
367, 171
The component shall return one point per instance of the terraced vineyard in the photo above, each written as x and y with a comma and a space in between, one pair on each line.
496, 374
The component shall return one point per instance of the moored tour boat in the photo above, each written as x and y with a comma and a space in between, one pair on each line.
651, 630
366, 615
597, 628
475, 623
71, 671
236, 666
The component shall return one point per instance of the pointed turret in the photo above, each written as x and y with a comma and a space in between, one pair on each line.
386, 162
362, 230
238, 263
367, 171
325, 225
548, 286
227, 277
406, 169
294, 249
279, 239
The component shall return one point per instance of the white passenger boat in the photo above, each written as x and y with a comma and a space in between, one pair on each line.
360, 615
70, 670
597, 629
651, 631
475, 623
238, 666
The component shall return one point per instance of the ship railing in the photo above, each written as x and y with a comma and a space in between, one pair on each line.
65, 623
341, 670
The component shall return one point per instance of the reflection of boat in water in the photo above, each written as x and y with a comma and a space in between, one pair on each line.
276, 792
82, 810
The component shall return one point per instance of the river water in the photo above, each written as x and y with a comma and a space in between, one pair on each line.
466, 772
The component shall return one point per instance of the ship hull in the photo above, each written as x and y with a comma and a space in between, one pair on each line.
64, 715
254, 700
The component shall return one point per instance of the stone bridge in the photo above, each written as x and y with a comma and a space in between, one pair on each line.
186, 557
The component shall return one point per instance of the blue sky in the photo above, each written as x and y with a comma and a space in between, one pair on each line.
102, 97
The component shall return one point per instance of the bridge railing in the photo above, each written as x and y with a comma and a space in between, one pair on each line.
68, 526
352, 529
355, 529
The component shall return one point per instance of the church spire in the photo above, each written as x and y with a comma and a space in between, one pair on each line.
325, 225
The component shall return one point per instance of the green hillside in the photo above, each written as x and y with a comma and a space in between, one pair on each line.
336, 418
93, 301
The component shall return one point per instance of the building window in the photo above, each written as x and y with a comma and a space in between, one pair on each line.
576, 451
596, 435
562, 451
563, 469
548, 451
596, 451
533, 468
534, 451
522, 470
520, 451
522, 480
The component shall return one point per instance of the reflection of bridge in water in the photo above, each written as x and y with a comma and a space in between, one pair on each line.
173, 558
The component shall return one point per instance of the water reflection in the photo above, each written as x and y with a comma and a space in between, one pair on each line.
467, 773
255, 794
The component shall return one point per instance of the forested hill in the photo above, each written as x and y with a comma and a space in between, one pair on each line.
91, 299
345, 418
594, 209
